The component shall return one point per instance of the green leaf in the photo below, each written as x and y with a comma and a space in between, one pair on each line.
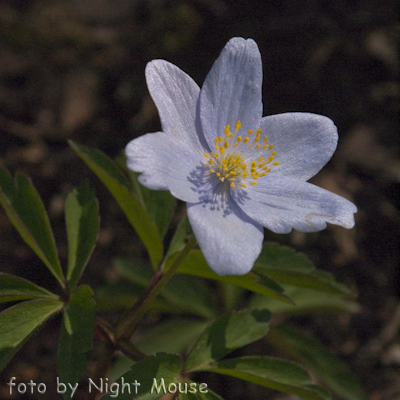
284, 376
309, 351
195, 264
14, 288
227, 333
76, 336
136, 271
306, 301
173, 336
160, 205
18, 322
26, 211
286, 266
210, 395
82, 221
151, 376
197, 391
179, 239
188, 294
108, 172
118, 296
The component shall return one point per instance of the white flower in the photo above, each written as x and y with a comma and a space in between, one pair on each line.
237, 171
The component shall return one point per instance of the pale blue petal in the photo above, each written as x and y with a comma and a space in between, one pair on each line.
167, 163
303, 142
228, 238
281, 204
175, 94
232, 90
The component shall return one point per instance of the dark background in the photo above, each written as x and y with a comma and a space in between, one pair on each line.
75, 70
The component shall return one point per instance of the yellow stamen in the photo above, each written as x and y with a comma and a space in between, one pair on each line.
238, 125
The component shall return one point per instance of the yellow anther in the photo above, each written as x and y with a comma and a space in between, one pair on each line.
244, 175
222, 150
218, 174
257, 146
243, 185
226, 145
206, 155
246, 140
211, 161
207, 164
238, 125
265, 138
212, 171
271, 146
232, 185
253, 163
257, 138
265, 146
216, 141
233, 179
226, 130
227, 176
261, 159
263, 174
243, 165
273, 154
258, 131
239, 139
220, 139
250, 132
217, 148
253, 183
276, 163
249, 148
223, 161
222, 179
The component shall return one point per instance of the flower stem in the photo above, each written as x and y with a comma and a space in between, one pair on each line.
131, 317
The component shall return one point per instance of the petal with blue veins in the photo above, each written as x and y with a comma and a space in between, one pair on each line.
280, 204
229, 239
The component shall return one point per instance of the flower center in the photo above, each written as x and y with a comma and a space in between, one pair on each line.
239, 159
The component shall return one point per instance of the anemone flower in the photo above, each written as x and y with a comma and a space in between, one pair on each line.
237, 171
